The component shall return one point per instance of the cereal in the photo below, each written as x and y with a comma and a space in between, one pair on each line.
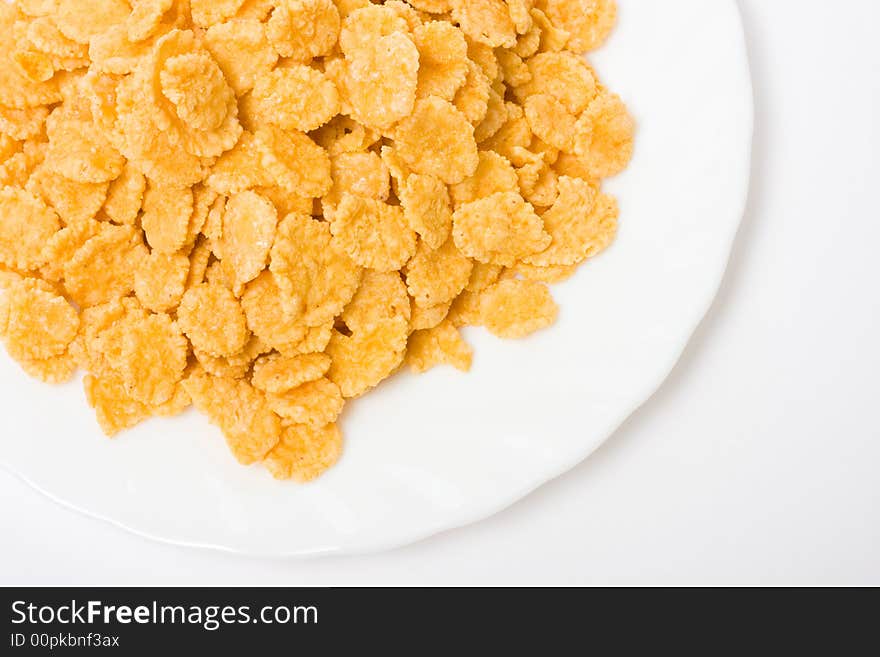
278, 373
577, 224
373, 233
437, 276
499, 229
425, 201
562, 75
145, 17
152, 359
167, 211
363, 174
208, 12
304, 29
610, 129
249, 224
588, 22
515, 308
437, 140
311, 267
160, 281
440, 345
242, 51
64, 244
78, 151
125, 196
213, 320
443, 61
427, 318
35, 322
295, 162
295, 98
316, 403
73, 201
27, 224
304, 453
251, 428
486, 21
21, 124
265, 208
379, 79
494, 174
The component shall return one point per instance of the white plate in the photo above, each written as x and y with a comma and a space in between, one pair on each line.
430, 453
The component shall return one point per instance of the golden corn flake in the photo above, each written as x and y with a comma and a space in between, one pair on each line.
443, 61
242, 50
273, 315
482, 276
441, 345
373, 233
145, 18
80, 25
437, 140
312, 268
437, 276
562, 75
380, 296
241, 168
277, 373
378, 80
242, 413
125, 196
573, 225
208, 12
345, 135
426, 207
426, 318
295, 98
233, 367
160, 281
196, 86
152, 359
295, 162
114, 409
611, 130
78, 151
362, 174
486, 21
54, 370
249, 225
367, 357
304, 453
303, 29
589, 22
73, 201
167, 211
550, 274
36, 322
499, 229
316, 403
27, 223
473, 97
551, 122
267, 207
494, 174
21, 124
516, 308
213, 320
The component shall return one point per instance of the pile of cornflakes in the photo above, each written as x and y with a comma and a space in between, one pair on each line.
263, 208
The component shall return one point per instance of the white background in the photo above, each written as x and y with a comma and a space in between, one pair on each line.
758, 462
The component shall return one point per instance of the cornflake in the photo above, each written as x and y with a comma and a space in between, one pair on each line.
265, 208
